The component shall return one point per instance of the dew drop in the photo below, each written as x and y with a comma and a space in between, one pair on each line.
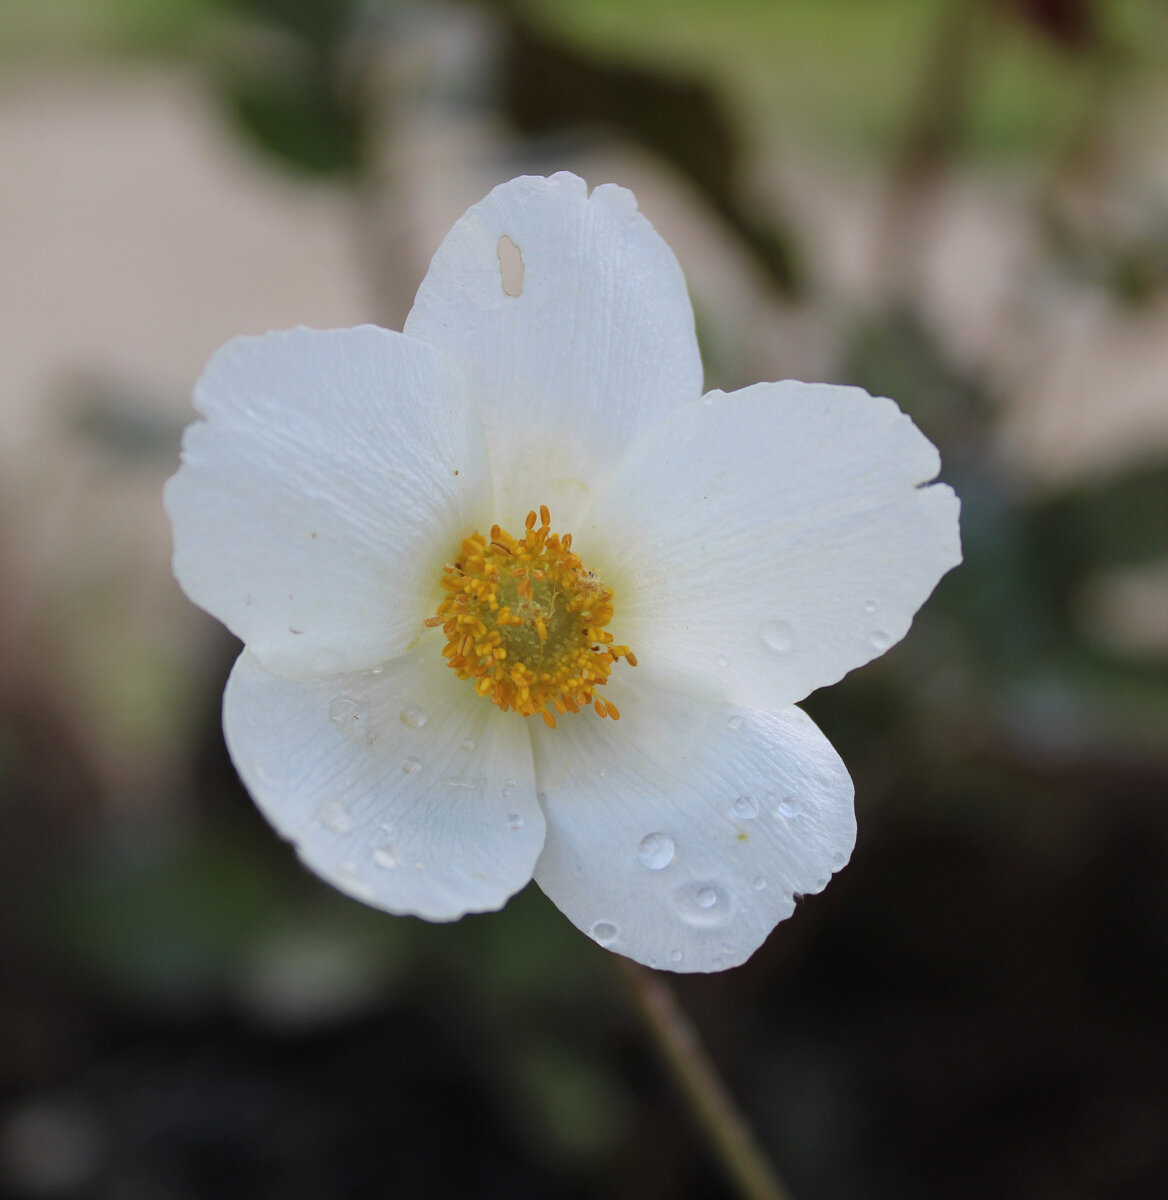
820, 884
701, 904
335, 816
871, 606
514, 821
385, 858
412, 764
345, 712
675, 956
510, 784
744, 808
656, 851
839, 858
350, 877
604, 931
879, 639
467, 744
789, 807
778, 636
413, 717
736, 722
758, 883
722, 661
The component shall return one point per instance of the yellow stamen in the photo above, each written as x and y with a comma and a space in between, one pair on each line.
525, 621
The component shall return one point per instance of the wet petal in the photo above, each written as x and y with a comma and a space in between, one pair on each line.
764, 543
400, 787
680, 834
317, 501
597, 345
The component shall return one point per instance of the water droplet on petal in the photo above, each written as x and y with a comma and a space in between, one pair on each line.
744, 808
758, 883
722, 661
350, 876
412, 764
880, 640
514, 821
675, 956
778, 636
789, 807
839, 858
345, 712
656, 851
871, 606
736, 722
467, 744
335, 816
413, 717
385, 858
702, 904
604, 931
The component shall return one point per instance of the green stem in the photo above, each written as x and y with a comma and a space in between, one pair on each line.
711, 1103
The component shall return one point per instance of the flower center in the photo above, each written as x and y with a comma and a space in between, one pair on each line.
524, 618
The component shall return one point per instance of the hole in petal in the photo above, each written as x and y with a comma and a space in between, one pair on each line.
510, 266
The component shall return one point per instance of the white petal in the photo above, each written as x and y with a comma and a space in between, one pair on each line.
598, 345
334, 474
680, 834
400, 787
764, 543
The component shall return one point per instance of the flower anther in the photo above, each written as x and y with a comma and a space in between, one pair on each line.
525, 620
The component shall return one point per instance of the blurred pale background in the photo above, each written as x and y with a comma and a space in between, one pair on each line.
963, 205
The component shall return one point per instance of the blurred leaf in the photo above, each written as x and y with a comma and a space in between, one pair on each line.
551, 85
320, 23
298, 94
1069, 24
300, 120
1115, 521
571, 1099
126, 424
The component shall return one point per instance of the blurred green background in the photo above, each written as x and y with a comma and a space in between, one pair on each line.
963, 205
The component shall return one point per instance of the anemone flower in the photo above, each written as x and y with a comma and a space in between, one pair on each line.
519, 601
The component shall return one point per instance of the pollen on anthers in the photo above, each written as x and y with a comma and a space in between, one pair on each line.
525, 620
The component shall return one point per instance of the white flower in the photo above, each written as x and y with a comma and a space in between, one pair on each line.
729, 554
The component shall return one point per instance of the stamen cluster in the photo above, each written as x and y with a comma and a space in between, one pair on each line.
524, 619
